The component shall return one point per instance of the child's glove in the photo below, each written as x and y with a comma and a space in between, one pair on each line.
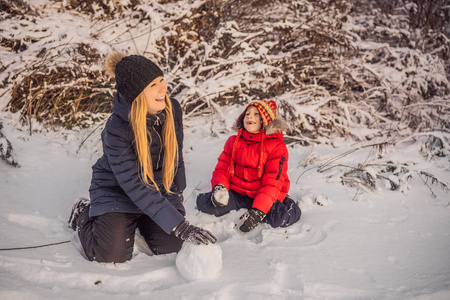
220, 196
251, 219
194, 234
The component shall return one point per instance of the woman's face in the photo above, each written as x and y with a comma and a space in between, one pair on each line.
252, 120
155, 94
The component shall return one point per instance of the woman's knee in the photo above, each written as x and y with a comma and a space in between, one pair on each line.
169, 244
116, 253
109, 238
156, 238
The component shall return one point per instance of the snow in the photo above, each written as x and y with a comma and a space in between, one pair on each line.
199, 262
385, 245
350, 243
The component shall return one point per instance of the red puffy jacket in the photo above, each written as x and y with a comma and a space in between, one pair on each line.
240, 171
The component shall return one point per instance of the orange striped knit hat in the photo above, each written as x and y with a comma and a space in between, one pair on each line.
267, 109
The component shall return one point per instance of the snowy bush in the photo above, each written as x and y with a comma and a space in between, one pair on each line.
358, 70
337, 68
6, 149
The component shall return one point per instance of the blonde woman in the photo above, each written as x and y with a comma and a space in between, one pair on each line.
138, 182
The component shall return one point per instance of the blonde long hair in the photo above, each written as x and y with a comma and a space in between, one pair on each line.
138, 117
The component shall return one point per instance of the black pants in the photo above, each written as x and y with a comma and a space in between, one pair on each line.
110, 237
281, 214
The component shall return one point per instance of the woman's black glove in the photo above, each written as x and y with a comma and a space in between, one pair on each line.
193, 234
251, 219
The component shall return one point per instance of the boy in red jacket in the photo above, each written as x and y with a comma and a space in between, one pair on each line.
251, 172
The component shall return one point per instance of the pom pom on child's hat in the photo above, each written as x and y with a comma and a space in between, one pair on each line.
132, 73
267, 110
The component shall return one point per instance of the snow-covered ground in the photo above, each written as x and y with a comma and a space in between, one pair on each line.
349, 244
385, 245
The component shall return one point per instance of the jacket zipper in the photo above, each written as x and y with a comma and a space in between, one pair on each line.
160, 149
280, 167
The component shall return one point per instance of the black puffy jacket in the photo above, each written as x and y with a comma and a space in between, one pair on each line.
116, 185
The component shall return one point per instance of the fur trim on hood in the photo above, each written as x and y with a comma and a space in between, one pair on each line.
277, 125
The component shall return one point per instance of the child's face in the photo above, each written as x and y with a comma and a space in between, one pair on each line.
155, 94
252, 120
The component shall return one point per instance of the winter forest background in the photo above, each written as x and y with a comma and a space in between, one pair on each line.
364, 87
361, 70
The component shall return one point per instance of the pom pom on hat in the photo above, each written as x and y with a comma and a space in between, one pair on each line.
133, 73
111, 62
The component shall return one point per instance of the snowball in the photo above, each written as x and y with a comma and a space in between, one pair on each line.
199, 261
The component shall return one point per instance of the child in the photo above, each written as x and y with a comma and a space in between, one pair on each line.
251, 172
138, 181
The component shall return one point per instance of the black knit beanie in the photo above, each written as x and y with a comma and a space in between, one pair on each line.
133, 74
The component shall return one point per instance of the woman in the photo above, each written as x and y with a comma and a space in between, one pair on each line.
138, 181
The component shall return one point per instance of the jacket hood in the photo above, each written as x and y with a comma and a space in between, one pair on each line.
277, 125
121, 107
